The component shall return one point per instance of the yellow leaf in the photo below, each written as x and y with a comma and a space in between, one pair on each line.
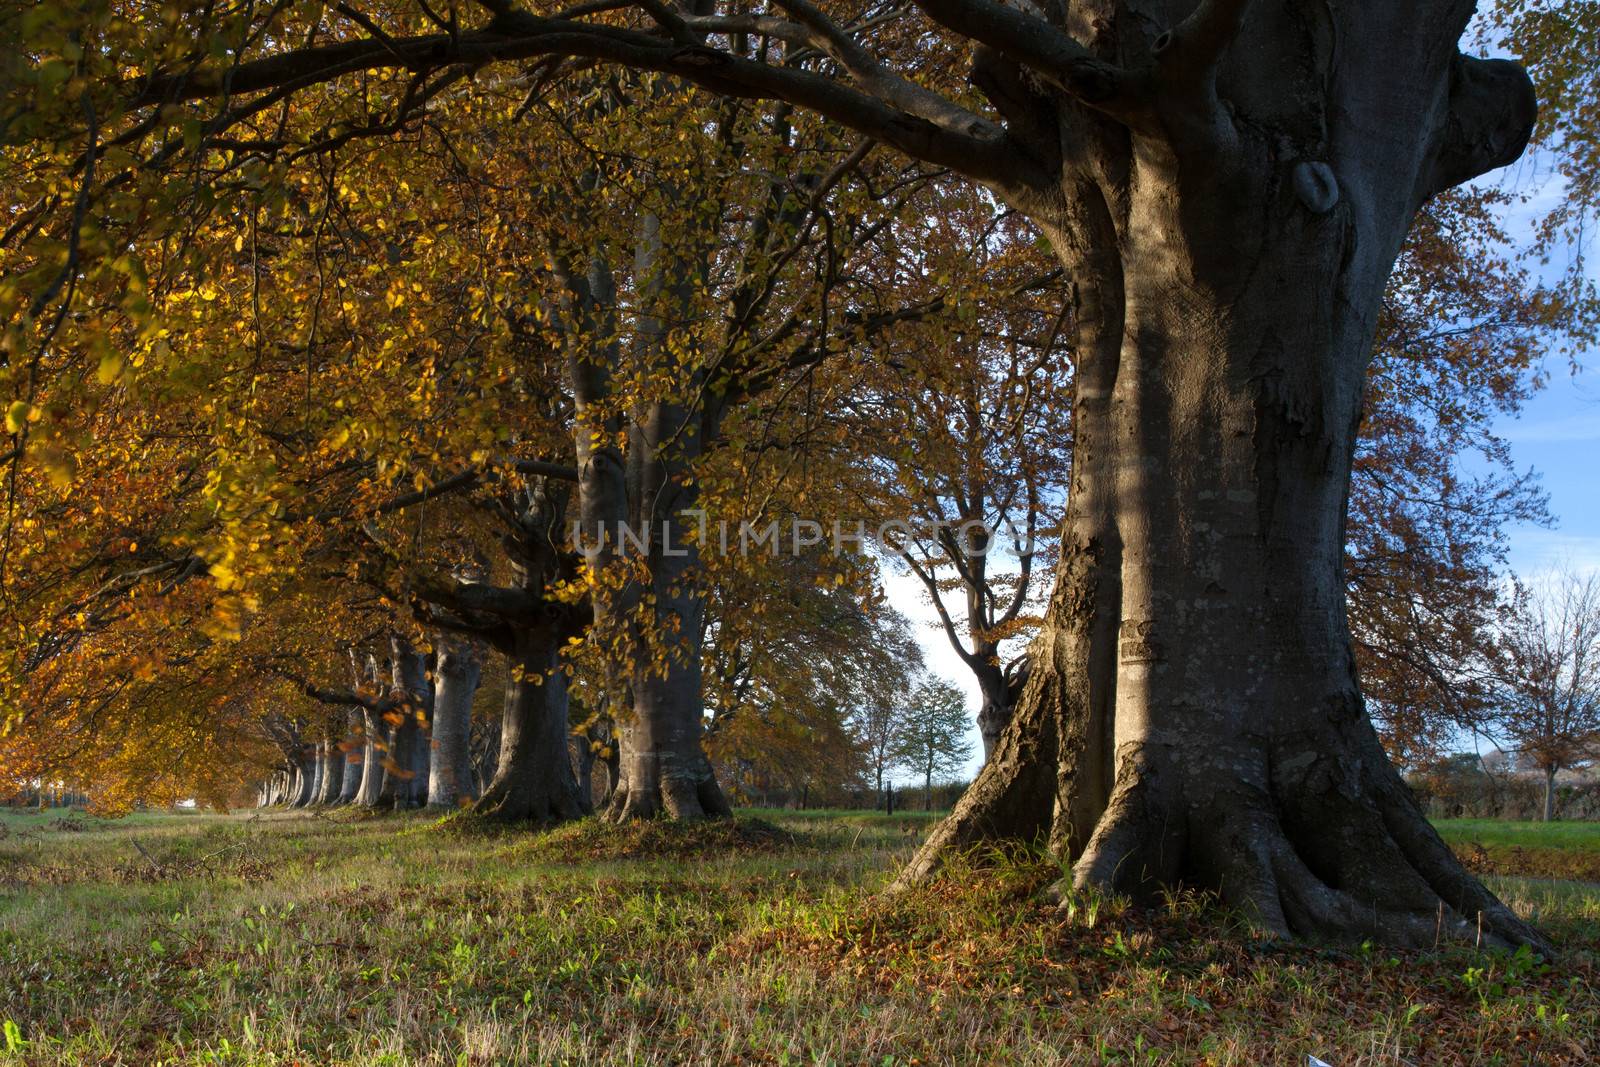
110, 368
17, 415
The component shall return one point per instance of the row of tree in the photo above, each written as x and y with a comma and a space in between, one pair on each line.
342, 336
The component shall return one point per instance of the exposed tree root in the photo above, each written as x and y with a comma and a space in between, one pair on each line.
683, 796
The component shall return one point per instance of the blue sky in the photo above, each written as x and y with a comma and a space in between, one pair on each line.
1559, 436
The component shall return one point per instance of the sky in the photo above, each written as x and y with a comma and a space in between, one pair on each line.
1557, 433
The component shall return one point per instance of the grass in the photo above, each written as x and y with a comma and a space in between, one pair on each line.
1567, 836
1561, 850
298, 939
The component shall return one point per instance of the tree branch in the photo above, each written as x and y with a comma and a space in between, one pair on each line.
1490, 118
1039, 46
977, 149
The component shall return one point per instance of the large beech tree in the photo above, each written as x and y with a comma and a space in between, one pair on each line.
1228, 184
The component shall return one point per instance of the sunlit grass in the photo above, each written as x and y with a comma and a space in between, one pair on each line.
317, 940
1581, 836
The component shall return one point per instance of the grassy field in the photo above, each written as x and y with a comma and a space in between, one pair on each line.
300, 939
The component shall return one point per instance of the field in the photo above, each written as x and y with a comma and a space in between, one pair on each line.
318, 939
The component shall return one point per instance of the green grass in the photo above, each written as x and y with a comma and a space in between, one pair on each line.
1571, 836
291, 938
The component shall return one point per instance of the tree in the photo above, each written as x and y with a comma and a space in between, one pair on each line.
976, 401
1461, 336
1547, 668
1227, 184
800, 649
933, 733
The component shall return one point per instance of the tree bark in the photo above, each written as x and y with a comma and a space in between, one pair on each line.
318, 768
533, 780
992, 686
330, 773
1193, 714
663, 770
404, 786
352, 753
582, 764
374, 752
305, 776
1549, 794
486, 755
450, 781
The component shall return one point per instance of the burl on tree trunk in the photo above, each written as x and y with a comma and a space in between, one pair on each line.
1230, 213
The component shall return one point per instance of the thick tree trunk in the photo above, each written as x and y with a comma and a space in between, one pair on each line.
533, 780
305, 776
395, 792
405, 784
421, 762
1549, 794
663, 770
1192, 714
450, 781
611, 764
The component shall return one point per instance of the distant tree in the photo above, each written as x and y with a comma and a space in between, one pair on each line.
933, 733
977, 452
1547, 666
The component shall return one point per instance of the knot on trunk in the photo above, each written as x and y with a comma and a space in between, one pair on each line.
1316, 186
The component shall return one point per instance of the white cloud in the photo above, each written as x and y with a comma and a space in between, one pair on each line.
1570, 428
1535, 552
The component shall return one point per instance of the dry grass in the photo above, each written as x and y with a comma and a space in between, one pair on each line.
319, 940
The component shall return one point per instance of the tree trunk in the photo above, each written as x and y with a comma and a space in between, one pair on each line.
421, 762
612, 764
395, 792
486, 754
374, 753
1193, 715
353, 755
327, 782
996, 710
405, 785
582, 764
450, 782
533, 780
305, 772
1549, 794
663, 770
318, 770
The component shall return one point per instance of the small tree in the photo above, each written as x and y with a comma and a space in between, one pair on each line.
1547, 665
933, 737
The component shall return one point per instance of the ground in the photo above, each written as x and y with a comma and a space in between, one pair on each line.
334, 939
